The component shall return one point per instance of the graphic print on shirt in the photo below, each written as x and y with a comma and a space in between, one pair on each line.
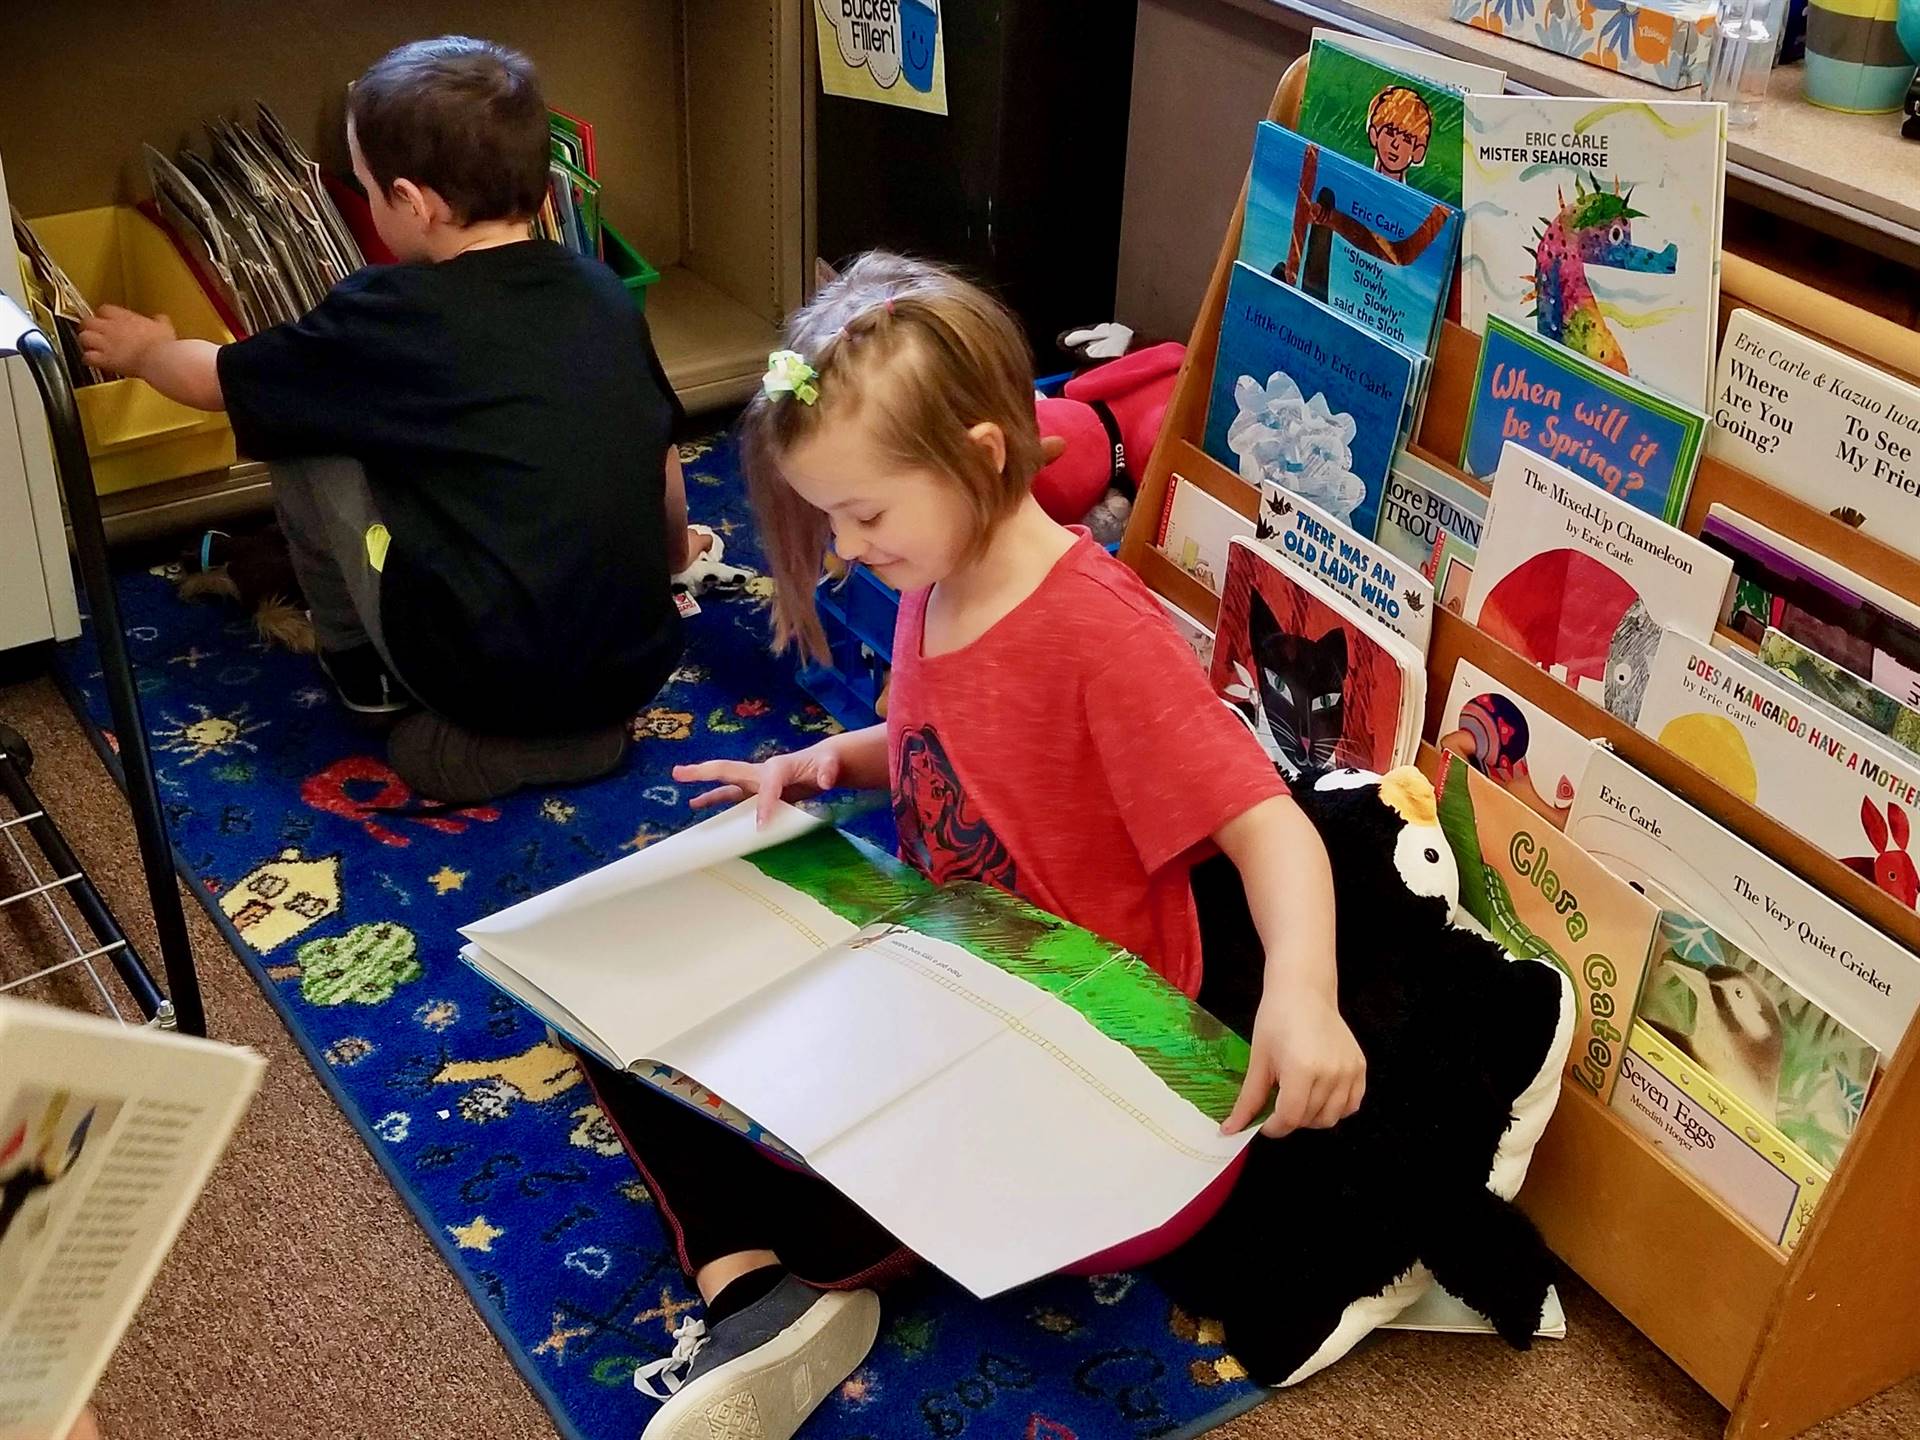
941, 835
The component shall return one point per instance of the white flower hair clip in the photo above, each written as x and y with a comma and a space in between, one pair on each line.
788, 373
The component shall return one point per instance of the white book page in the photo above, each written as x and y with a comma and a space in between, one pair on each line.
117, 1130
1440, 1312
1051, 1121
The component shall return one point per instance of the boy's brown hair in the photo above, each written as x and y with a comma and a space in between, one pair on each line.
459, 116
1404, 110
919, 356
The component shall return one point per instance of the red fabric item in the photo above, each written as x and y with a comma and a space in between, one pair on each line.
1158, 1244
1074, 755
1071, 485
1137, 388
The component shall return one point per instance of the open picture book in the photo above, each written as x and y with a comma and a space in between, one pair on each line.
929, 1052
108, 1133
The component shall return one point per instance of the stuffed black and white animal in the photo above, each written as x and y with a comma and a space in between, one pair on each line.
1330, 1233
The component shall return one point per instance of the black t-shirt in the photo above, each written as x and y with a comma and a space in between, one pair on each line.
513, 421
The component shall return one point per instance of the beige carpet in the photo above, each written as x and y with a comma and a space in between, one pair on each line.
302, 1300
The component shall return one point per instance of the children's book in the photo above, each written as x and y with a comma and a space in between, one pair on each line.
108, 1133
1198, 637
1826, 428
1781, 584
1543, 897
1865, 703
1597, 224
1318, 681
1461, 75
1425, 507
1538, 759
1306, 399
927, 1051
1377, 251
1195, 529
1822, 778
1791, 1063
1603, 426
1391, 120
1581, 584
1677, 856
1367, 577
1709, 1133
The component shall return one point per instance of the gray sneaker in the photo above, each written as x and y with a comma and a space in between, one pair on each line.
760, 1372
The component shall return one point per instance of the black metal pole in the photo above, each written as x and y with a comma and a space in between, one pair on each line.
84, 894
116, 667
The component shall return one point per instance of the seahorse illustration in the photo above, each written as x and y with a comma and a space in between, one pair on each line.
1595, 228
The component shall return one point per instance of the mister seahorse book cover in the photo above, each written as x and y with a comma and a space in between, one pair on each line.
1637, 446
1596, 223
1306, 399
1375, 250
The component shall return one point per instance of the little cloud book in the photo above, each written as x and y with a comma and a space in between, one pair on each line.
1373, 249
1597, 224
1851, 794
927, 1051
1679, 857
1822, 426
1403, 127
1319, 682
1581, 584
1541, 896
1306, 399
1637, 446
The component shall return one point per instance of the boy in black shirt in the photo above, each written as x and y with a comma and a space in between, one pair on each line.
474, 469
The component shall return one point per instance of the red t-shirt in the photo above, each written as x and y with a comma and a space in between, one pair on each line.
1073, 754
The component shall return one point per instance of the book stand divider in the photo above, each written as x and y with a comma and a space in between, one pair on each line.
1783, 1341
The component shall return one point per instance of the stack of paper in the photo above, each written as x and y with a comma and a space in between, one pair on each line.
255, 217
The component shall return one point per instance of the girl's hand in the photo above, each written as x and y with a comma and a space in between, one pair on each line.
1301, 1044
798, 776
119, 341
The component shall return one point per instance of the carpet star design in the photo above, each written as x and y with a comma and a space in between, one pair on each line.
476, 1234
446, 878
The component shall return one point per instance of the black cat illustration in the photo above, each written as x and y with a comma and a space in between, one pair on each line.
1297, 711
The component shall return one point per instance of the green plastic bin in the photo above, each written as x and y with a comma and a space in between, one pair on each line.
629, 264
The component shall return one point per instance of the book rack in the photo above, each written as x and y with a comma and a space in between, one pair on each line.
1782, 1341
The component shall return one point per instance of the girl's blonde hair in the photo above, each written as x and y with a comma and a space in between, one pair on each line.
919, 356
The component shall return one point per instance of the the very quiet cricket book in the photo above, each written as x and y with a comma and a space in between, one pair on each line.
927, 1051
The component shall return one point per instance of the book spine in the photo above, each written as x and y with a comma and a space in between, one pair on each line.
1174, 482
1712, 1135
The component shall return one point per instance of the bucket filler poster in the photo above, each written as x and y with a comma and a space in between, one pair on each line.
891, 52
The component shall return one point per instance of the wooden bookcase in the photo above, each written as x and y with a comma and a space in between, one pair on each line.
1783, 1341
702, 111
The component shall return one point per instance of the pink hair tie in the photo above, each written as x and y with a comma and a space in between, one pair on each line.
889, 305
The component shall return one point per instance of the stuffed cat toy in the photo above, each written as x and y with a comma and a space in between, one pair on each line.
255, 572
1330, 1233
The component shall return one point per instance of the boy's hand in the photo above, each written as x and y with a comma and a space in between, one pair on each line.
1301, 1044
798, 776
120, 341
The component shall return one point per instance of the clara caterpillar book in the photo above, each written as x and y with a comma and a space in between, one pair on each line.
1597, 223
1542, 896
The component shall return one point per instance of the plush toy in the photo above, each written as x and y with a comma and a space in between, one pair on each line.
1330, 1233
256, 573
1103, 428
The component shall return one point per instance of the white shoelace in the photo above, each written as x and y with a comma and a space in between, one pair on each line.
671, 1373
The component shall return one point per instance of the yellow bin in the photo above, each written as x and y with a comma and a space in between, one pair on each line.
136, 436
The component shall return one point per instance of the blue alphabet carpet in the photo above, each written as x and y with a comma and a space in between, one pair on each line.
287, 823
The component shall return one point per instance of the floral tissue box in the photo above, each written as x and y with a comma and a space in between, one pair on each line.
1664, 43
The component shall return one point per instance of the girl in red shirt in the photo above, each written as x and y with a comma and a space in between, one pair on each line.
1047, 732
